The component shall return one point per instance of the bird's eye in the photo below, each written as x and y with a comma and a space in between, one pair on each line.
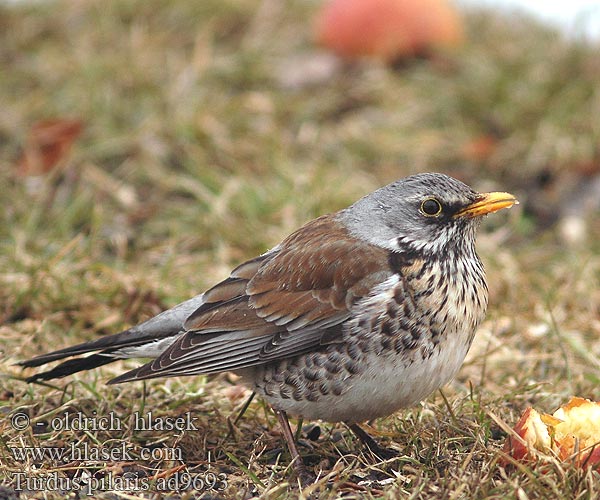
431, 207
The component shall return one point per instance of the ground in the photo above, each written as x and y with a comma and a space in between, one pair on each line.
210, 130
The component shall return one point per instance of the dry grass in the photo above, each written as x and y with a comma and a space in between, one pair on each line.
207, 140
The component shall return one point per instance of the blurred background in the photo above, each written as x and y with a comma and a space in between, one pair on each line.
146, 148
577, 17
213, 128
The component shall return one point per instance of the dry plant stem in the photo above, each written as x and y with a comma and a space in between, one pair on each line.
240, 414
244, 408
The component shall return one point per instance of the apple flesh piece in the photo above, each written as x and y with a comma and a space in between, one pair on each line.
534, 436
577, 435
571, 433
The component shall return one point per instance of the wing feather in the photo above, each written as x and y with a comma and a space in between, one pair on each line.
288, 301
279, 305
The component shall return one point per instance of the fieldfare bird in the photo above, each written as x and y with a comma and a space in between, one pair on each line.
351, 317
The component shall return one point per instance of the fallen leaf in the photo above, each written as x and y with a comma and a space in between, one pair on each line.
48, 142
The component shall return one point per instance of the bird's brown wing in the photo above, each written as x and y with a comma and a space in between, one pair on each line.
278, 305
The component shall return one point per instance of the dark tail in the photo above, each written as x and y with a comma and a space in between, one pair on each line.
108, 349
106, 345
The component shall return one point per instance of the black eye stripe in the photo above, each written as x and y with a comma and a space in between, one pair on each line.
431, 207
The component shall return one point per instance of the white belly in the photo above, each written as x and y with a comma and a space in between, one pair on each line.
383, 387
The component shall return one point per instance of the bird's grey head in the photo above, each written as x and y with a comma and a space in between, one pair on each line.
424, 214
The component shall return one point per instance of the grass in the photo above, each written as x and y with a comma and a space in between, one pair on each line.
207, 139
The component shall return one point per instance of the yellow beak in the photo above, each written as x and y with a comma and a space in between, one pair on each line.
488, 203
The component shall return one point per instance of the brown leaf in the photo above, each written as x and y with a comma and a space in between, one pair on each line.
480, 148
48, 142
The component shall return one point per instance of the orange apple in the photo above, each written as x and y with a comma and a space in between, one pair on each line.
387, 29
